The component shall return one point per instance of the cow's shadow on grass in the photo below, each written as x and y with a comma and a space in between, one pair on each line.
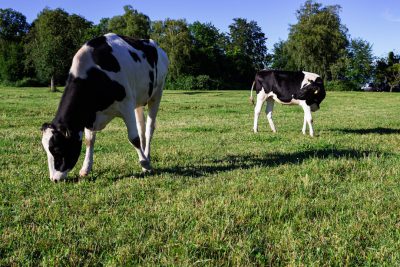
243, 162
234, 162
377, 130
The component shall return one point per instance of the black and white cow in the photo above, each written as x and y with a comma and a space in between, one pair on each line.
290, 88
111, 76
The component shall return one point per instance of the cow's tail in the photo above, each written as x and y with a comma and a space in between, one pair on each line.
251, 93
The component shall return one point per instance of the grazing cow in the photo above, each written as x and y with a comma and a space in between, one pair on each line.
111, 76
290, 88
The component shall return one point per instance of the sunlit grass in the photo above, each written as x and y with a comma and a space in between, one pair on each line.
220, 195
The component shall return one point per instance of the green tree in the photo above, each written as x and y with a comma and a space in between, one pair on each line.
280, 59
13, 25
246, 50
101, 28
13, 28
174, 37
360, 62
386, 71
207, 54
317, 39
131, 23
248, 39
394, 76
53, 40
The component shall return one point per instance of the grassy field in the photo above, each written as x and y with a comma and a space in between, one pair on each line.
221, 195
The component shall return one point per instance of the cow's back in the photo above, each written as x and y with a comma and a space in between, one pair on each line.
143, 64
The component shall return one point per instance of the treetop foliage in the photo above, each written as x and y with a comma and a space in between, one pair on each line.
198, 52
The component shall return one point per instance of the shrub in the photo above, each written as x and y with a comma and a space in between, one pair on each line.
201, 82
338, 85
28, 82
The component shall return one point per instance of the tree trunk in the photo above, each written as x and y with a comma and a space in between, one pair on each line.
52, 86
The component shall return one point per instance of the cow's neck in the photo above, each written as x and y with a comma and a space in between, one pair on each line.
72, 112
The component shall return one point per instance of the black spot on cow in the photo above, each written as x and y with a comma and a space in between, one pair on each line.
102, 54
135, 142
135, 57
151, 84
286, 85
82, 98
151, 88
151, 76
149, 51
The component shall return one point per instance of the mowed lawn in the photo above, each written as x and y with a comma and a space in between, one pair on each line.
220, 195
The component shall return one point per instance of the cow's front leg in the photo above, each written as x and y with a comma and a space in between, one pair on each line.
90, 137
133, 136
269, 109
307, 119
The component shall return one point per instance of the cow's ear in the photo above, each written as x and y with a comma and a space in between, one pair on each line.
45, 126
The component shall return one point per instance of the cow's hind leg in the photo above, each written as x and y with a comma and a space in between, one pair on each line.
139, 113
257, 110
153, 104
269, 108
133, 136
90, 137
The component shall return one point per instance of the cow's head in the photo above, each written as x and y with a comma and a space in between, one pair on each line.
62, 147
313, 93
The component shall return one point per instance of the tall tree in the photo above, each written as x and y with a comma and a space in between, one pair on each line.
207, 50
13, 28
360, 60
13, 25
246, 49
394, 76
174, 37
280, 58
247, 38
315, 42
53, 40
131, 23
387, 71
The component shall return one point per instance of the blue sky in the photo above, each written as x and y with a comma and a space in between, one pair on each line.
377, 21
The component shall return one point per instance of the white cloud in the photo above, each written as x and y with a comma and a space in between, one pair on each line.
390, 17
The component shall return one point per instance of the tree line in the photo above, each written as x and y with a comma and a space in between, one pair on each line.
201, 56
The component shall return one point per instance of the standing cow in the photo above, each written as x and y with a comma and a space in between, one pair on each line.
290, 88
111, 76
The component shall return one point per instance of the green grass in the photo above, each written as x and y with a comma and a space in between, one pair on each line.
221, 195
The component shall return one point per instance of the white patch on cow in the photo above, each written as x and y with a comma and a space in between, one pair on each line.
275, 97
54, 174
82, 62
307, 118
308, 76
57, 175
47, 134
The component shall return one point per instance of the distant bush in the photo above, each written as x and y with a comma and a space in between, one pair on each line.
25, 82
341, 86
201, 82
28, 82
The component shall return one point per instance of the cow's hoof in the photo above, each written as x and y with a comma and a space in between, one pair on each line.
83, 173
146, 167
255, 130
147, 171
